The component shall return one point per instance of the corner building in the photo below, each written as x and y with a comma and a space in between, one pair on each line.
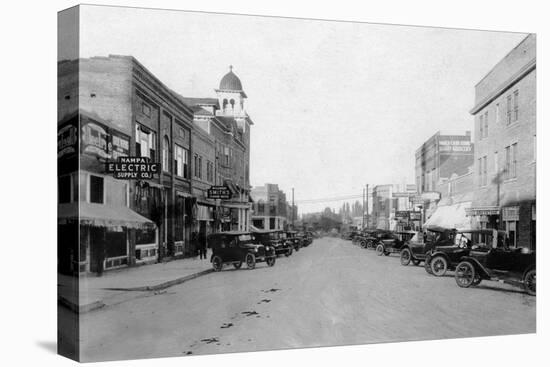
505, 140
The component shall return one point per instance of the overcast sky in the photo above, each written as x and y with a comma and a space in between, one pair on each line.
335, 105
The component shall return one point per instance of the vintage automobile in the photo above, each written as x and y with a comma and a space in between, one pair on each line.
393, 242
306, 237
516, 266
275, 239
370, 238
294, 239
416, 249
442, 258
236, 248
349, 235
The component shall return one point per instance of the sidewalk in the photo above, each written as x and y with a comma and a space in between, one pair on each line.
113, 286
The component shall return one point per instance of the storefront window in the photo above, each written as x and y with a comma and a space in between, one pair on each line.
145, 236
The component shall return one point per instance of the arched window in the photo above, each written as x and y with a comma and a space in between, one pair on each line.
166, 154
232, 102
224, 104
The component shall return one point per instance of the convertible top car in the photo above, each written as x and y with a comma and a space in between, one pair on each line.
236, 248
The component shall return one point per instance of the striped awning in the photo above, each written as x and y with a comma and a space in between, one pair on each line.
101, 215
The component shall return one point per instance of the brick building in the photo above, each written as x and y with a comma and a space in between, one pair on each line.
118, 108
388, 202
270, 208
222, 131
505, 140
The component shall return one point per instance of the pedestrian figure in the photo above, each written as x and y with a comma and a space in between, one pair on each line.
202, 245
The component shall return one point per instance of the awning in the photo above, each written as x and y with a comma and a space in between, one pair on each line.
483, 210
450, 216
100, 215
232, 187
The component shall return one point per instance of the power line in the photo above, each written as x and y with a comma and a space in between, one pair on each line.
328, 199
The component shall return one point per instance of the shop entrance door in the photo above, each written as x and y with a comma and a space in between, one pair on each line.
97, 249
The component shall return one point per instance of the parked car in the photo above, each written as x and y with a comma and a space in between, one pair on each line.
236, 248
348, 235
442, 258
275, 239
516, 266
294, 240
416, 249
369, 239
393, 242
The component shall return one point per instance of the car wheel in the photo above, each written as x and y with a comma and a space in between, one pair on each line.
405, 257
438, 266
416, 262
363, 244
217, 263
289, 252
530, 282
427, 265
270, 261
250, 261
477, 280
238, 264
380, 250
465, 274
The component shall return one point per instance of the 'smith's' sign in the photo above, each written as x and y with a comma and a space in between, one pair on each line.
132, 168
219, 192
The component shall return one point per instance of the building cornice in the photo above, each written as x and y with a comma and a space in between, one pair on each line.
526, 69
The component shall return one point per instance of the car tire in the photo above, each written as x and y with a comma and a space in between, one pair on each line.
530, 282
217, 263
238, 264
363, 244
477, 281
405, 257
380, 250
465, 274
250, 260
270, 261
438, 265
289, 252
427, 266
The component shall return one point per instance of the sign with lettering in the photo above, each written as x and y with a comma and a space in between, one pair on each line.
137, 168
218, 192
403, 214
95, 140
415, 215
510, 213
67, 139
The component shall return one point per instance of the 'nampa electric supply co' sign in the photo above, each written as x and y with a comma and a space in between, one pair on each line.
132, 168
219, 192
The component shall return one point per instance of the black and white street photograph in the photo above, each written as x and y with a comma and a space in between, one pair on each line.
235, 183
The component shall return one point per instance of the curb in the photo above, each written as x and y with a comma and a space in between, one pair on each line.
164, 285
82, 309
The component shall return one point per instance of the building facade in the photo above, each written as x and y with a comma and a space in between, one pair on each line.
505, 140
270, 208
392, 206
222, 130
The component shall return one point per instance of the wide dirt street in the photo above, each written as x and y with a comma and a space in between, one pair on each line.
330, 293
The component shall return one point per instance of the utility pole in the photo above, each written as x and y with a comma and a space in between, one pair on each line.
293, 208
363, 211
367, 196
